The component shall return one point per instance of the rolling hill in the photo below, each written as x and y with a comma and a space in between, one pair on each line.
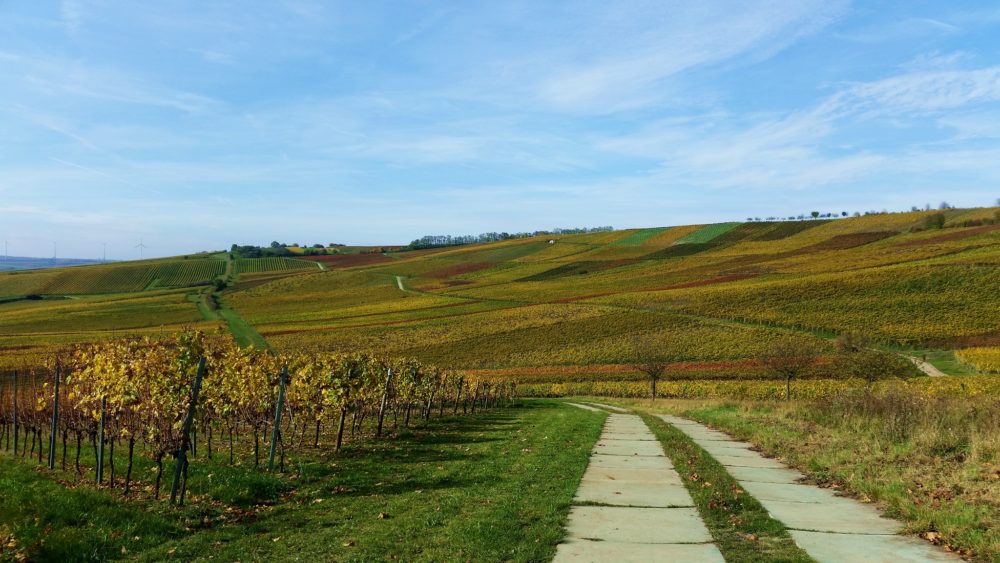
562, 307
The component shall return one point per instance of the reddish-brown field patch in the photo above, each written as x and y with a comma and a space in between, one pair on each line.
957, 235
459, 269
854, 240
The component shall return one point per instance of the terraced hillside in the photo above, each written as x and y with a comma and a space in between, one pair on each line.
717, 296
570, 308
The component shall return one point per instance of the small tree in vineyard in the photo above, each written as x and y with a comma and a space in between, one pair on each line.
789, 360
859, 359
649, 358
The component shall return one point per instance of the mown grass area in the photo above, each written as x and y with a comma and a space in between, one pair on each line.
741, 527
933, 463
494, 486
945, 361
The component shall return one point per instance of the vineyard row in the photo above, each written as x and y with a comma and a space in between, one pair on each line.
160, 393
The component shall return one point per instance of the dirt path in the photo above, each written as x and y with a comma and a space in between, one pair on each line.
632, 505
828, 527
925, 367
399, 284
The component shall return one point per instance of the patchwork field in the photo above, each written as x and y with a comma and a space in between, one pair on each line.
565, 308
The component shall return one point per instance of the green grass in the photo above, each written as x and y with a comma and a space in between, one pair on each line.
244, 333
740, 526
206, 304
494, 486
641, 236
945, 361
708, 233
49, 522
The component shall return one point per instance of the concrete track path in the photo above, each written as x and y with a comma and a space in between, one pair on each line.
828, 527
632, 505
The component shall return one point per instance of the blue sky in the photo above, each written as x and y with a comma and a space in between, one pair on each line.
193, 125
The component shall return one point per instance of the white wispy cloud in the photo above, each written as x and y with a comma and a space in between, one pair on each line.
798, 151
923, 91
672, 39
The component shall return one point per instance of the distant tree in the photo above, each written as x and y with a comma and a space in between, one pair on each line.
851, 342
789, 360
944, 205
649, 358
275, 244
815, 214
318, 245
934, 221
859, 359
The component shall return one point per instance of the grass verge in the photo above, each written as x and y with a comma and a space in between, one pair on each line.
741, 527
932, 463
495, 486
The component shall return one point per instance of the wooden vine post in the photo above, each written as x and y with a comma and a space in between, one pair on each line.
385, 402
55, 418
100, 441
276, 429
186, 436
15, 412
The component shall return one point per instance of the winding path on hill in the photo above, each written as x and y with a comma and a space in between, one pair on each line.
632, 505
925, 367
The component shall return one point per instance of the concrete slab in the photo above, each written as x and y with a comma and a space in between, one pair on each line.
628, 426
758, 461
618, 427
708, 435
627, 436
835, 548
585, 407
731, 452
676, 420
625, 427
732, 445
629, 421
790, 493
765, 475
584, 551
609, 407
629, 462
633, 493
637, 525
664, 476
843, 517
628, 447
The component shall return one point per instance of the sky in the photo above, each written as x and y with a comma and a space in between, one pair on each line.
192, 125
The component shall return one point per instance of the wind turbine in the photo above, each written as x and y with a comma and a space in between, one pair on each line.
141, 247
